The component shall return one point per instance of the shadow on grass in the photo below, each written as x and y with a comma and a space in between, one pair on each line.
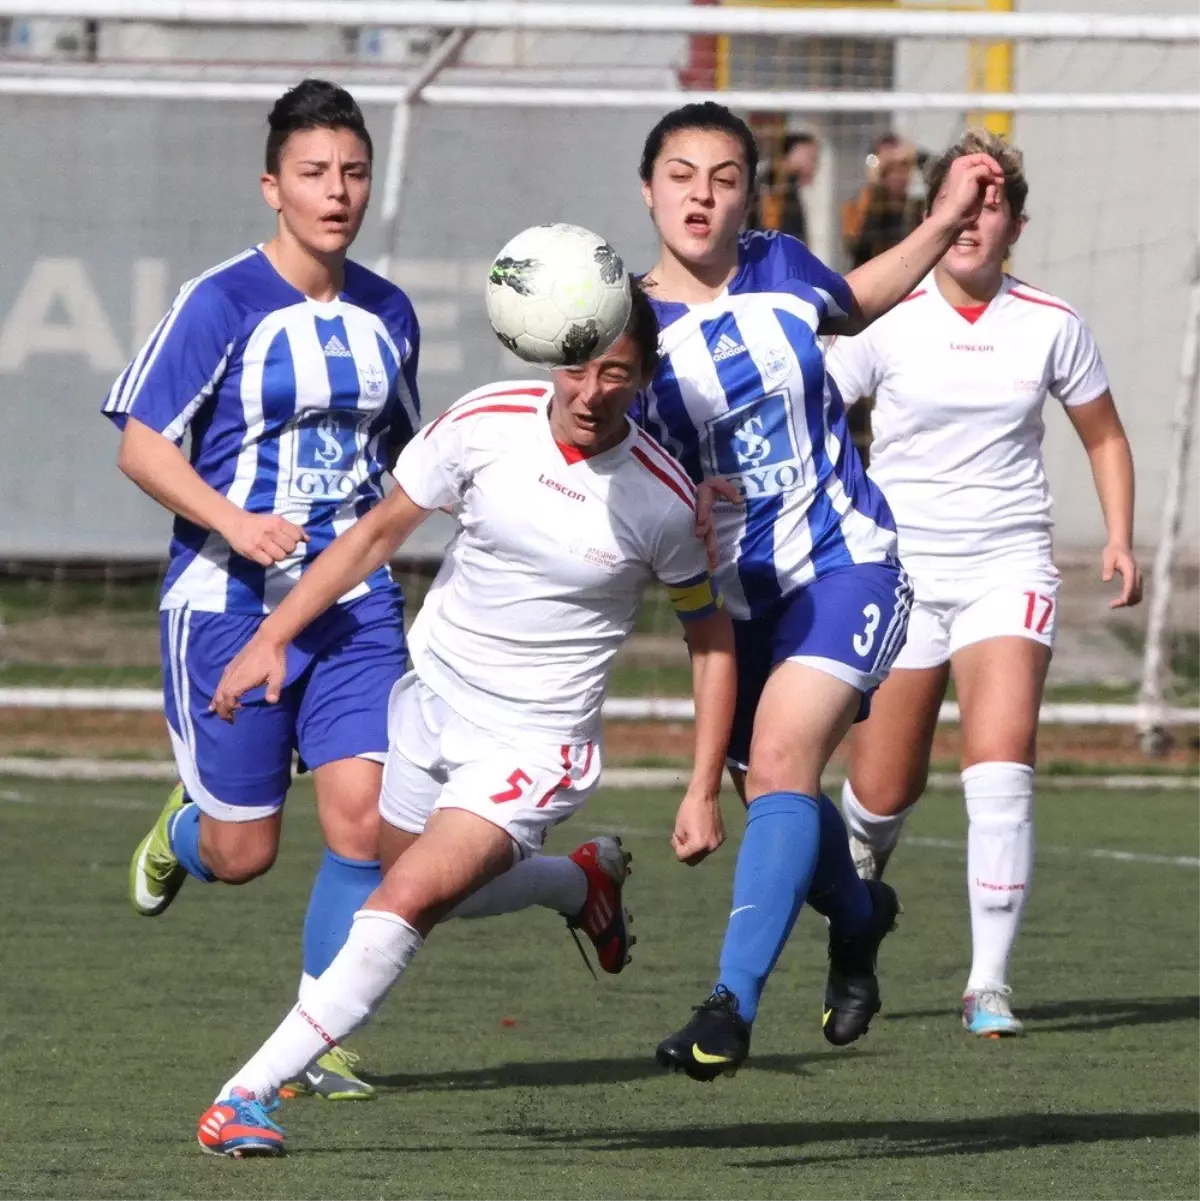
891, 1139
1056, 1017
567, 1072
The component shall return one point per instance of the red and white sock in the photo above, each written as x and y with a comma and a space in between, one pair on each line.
379, 948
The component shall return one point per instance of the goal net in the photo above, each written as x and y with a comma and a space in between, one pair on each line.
133, 137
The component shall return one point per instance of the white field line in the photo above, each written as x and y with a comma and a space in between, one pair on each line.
617, 708
950, 844
617, 778
621, 778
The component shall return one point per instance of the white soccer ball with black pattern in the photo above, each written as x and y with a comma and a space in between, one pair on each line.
558, 295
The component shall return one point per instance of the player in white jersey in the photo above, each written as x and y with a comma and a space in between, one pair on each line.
808, 559
293, 372
567, 511
960, 373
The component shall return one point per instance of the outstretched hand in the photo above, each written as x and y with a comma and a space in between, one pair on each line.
258, 662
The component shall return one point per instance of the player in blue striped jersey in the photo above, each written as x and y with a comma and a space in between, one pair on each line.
809, 563
293, 372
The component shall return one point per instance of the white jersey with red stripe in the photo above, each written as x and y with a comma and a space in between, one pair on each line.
552, 557
958, 425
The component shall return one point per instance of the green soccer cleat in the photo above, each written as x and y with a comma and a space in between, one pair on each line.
155, 875
332, 1078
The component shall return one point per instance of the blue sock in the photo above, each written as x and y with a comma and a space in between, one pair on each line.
836, 892
338, 893
772, 878
184, 837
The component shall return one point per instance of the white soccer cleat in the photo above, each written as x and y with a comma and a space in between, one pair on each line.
987, 1013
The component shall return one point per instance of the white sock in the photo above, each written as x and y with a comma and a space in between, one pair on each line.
880, 833
376, 952
999, 864
304, 993
551, 880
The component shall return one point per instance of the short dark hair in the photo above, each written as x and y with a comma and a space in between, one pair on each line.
642, 326
313, 104
803, 138
709, 115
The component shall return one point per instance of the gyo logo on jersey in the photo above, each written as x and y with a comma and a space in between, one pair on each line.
754, 447
325, 449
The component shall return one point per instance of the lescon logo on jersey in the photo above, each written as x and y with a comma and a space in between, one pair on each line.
325, 449
754, 446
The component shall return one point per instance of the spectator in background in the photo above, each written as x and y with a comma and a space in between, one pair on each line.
883, 213
779, 203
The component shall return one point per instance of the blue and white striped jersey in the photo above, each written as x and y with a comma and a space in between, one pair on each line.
295, 407
742, 393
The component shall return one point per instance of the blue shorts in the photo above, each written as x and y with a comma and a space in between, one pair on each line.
334, 702
850, 623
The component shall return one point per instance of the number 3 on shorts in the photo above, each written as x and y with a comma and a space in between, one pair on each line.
864, 641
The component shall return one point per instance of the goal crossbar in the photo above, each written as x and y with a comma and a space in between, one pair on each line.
623, 18
533, 96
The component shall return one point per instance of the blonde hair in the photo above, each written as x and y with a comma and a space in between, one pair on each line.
983, 141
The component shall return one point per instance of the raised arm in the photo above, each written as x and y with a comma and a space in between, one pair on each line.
1103, 436
881, 283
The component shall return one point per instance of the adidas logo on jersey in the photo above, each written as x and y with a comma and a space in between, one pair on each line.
727, 348
335, 348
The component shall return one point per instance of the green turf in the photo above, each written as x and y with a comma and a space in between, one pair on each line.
117, 1030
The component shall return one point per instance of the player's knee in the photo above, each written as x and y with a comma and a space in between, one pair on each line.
411, 900
234, 862
776, 766
355, 840
887, 793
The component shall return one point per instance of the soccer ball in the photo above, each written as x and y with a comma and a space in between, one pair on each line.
558, 295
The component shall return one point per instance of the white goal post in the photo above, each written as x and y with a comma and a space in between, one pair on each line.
460, 68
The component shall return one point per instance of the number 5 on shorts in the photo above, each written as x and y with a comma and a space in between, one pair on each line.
516, 786
864, 641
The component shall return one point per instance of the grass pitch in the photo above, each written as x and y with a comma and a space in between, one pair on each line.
505, 1072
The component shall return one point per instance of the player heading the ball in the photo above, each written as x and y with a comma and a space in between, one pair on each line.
567, 511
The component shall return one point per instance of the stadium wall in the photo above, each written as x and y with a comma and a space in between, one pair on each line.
112, 204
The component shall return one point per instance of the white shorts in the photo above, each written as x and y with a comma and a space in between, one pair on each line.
438, 760
949, 614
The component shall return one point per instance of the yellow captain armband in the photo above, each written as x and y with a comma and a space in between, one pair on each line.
697, 597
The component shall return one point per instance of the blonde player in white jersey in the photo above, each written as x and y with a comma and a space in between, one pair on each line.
566, 511
960, 373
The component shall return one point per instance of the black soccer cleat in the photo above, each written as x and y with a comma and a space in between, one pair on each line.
714, 1043
852, 988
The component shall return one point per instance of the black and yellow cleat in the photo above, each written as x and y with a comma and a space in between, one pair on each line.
714, 1043
332, 1078
852, 987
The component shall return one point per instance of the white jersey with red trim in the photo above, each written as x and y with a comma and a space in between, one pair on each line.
552, 557
957, 445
